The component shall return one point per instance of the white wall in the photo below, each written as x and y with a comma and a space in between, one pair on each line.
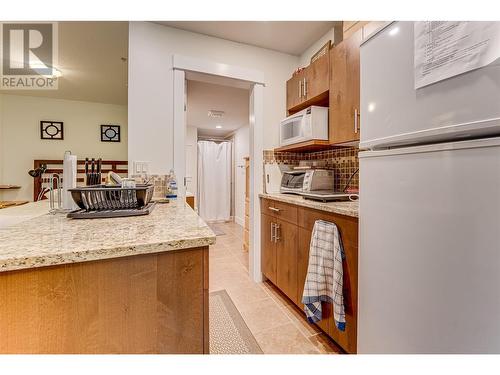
20, 141
241, 150
192, 160
305, 58
150, 84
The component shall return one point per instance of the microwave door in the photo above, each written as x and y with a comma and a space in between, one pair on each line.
291, 130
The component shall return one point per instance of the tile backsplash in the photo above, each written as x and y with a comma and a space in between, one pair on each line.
343, 160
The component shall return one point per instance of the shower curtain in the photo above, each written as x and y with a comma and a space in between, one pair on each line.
214, 180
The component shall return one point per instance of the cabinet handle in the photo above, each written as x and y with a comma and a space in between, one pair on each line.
272, 232
356, 127
305, 88
276, 235
274, 209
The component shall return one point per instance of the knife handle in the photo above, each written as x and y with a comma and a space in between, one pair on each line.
86, 171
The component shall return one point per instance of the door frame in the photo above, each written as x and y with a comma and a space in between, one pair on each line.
182, 64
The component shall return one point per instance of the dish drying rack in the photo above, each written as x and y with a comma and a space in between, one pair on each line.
105, 201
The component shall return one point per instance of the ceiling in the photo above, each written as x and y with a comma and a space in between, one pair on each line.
292, 37
203, 97
89, 57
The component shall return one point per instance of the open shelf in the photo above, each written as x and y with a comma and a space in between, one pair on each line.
308, 146
321, 100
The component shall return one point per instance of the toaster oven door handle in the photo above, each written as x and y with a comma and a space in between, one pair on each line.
274, 209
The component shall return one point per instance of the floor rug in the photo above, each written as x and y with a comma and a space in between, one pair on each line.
216, 229
228, 332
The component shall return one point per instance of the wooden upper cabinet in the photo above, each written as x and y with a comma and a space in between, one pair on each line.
344, 116
317, 77
310, 86
294, 90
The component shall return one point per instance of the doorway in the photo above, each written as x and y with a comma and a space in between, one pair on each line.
185, 66
217, 146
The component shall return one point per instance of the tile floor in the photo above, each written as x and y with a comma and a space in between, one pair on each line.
275, 322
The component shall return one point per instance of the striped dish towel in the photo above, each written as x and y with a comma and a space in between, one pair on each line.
324, 280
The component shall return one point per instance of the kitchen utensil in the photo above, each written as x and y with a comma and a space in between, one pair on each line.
99, 169
38, 171
86, 171
113, 178
92, 172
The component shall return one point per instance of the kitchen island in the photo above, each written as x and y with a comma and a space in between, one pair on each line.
121, 285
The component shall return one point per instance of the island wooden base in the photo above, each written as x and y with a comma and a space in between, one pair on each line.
153, 303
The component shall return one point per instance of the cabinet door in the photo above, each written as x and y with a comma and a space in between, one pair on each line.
294, 91
317, 77
344, 124
268, 249
304, 241
286, 258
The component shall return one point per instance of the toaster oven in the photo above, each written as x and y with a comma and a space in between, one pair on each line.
309, 180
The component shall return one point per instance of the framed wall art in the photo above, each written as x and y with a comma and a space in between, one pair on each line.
51, 130
110, 133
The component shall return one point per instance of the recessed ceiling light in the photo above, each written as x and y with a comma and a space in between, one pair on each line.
216, 114
218, 127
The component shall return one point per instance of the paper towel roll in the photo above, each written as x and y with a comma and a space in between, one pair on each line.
69, 180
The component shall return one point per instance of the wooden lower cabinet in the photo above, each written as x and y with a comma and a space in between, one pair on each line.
285, 261
279, 254
142, 304
268, 248
286, 258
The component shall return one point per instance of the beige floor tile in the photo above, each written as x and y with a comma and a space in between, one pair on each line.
220, 252
242, 258
277, 324
285, 339
263, 315
293, 312
324, 344
243, 297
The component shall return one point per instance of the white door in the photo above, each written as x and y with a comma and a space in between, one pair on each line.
429, 257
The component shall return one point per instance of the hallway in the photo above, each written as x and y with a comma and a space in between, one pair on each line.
277, 325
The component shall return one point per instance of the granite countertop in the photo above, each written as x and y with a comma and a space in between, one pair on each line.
348, 208
46, 240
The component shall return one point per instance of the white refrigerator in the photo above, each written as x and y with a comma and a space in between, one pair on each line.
429, 256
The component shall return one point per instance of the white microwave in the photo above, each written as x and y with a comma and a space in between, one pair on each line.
306, 125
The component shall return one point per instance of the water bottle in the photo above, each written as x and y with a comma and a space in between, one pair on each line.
172, 184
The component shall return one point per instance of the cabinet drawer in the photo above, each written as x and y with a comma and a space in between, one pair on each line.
348, 226
279, 210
